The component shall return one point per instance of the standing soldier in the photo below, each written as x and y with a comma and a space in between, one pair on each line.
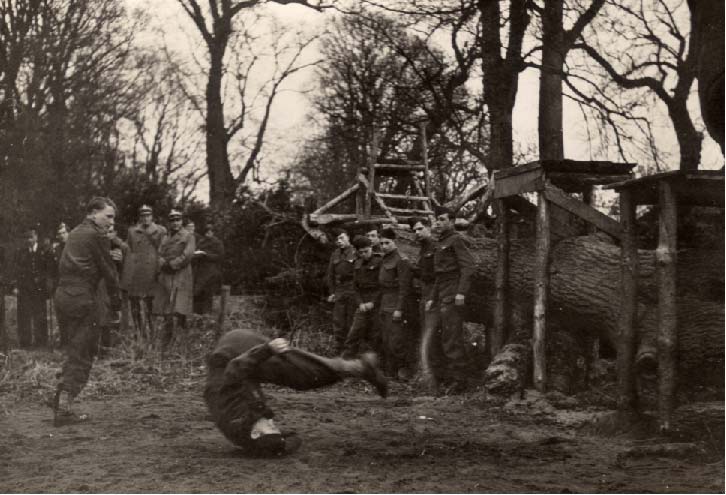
365, 330
175, 287
454, 267
140, 267
340, 284
395, 281
31, 282
207, 267
86, 260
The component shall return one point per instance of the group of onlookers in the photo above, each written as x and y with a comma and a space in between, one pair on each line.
375, 308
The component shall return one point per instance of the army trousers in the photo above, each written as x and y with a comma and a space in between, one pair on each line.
78, 319
32, 318
236, 402
364, 333
344, 309
445, 325
396, 343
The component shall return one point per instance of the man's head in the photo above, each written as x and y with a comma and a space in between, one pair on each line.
388, 240
31, 237
445, 219
363, 246
190, 226
175, 220
62, 232
341, 238
372, 234
102, 212
422, 228
146, 215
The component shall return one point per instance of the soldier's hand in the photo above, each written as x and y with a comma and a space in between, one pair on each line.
362, 307
459, 300
116, 254
331, 298
429, 305
369, 306
397, 315
279, 345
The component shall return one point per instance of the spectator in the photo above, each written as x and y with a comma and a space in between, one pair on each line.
31, 287
207, 269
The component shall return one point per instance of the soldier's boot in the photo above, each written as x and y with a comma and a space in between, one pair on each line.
372, 373
63, 413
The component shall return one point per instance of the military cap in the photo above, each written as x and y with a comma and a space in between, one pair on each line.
444, 210
174, 214
388, 233
145, 209
361, 242
337, 231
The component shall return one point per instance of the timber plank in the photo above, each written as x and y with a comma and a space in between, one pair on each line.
587, 213
532, 180
403, 196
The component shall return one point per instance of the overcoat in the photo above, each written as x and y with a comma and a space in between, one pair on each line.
141, 259
207, 267
175, 288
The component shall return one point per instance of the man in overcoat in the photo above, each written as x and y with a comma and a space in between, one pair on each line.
340, 284
175, 288
141, 262
31, 265
242, 360
86, 260
207, 269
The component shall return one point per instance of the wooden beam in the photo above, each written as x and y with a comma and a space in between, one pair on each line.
340, 197
666, 257
425, 157
412, 211
382, 205
541, 289
518, 170
587, 213
372, 157
627, 397
402, 196
529, 181
399, 168
325, 218
501, 281
586, 179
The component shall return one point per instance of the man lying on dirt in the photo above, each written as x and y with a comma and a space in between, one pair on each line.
243, 360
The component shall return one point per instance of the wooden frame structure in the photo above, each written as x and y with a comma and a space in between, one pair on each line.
366, 191
668, 190
551, 180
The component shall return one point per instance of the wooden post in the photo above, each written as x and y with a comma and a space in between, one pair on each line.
666, 257
501, 282
541, 288
3, 329
425, 160
627, 398
223, 296
370, 190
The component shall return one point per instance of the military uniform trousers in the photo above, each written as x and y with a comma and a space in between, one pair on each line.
395, 338
365, 334
344, 309
78, 318
32, 317
449, 338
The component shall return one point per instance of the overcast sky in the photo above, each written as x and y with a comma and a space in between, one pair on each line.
288, 122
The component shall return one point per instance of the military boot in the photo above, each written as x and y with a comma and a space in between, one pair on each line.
63, 413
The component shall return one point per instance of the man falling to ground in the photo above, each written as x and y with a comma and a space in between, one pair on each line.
242, 360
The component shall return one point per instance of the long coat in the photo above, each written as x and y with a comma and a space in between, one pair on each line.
207, 267
175, 286
141, 259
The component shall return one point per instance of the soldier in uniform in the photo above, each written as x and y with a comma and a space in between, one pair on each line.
207, 268
395, 282
86, 260
242, 360
340, 284
365, 330
372, 234
175, 283
31, 265
454, 267
140, 267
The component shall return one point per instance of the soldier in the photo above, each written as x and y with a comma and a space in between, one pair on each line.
395, 281
454, 267
31, 266
207, 268
429, 320
140, 267
85, 261
365, 330
243, 360
375, 238
176, 286
340, 284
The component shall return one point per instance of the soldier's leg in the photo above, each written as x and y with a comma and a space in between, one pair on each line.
452, 341
167, 332
135, 304
386, 322
148, 312
24, 311
356, 335
340, 331
39, 318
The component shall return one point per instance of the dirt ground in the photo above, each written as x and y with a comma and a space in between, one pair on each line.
353, 442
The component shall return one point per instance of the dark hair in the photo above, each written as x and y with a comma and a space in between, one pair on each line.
99, 203
361, 242
373, 226
425, 221
388, 233
337, 231
443, 210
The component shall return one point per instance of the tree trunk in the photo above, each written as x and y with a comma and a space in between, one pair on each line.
551, 144
689, 139
221, 182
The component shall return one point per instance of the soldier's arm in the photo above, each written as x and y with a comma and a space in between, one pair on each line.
101, 252
241, 367
404, 282
467, 266
186, 257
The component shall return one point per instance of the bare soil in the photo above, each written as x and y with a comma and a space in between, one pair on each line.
353, 442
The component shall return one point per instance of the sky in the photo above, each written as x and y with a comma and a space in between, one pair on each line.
288, 124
